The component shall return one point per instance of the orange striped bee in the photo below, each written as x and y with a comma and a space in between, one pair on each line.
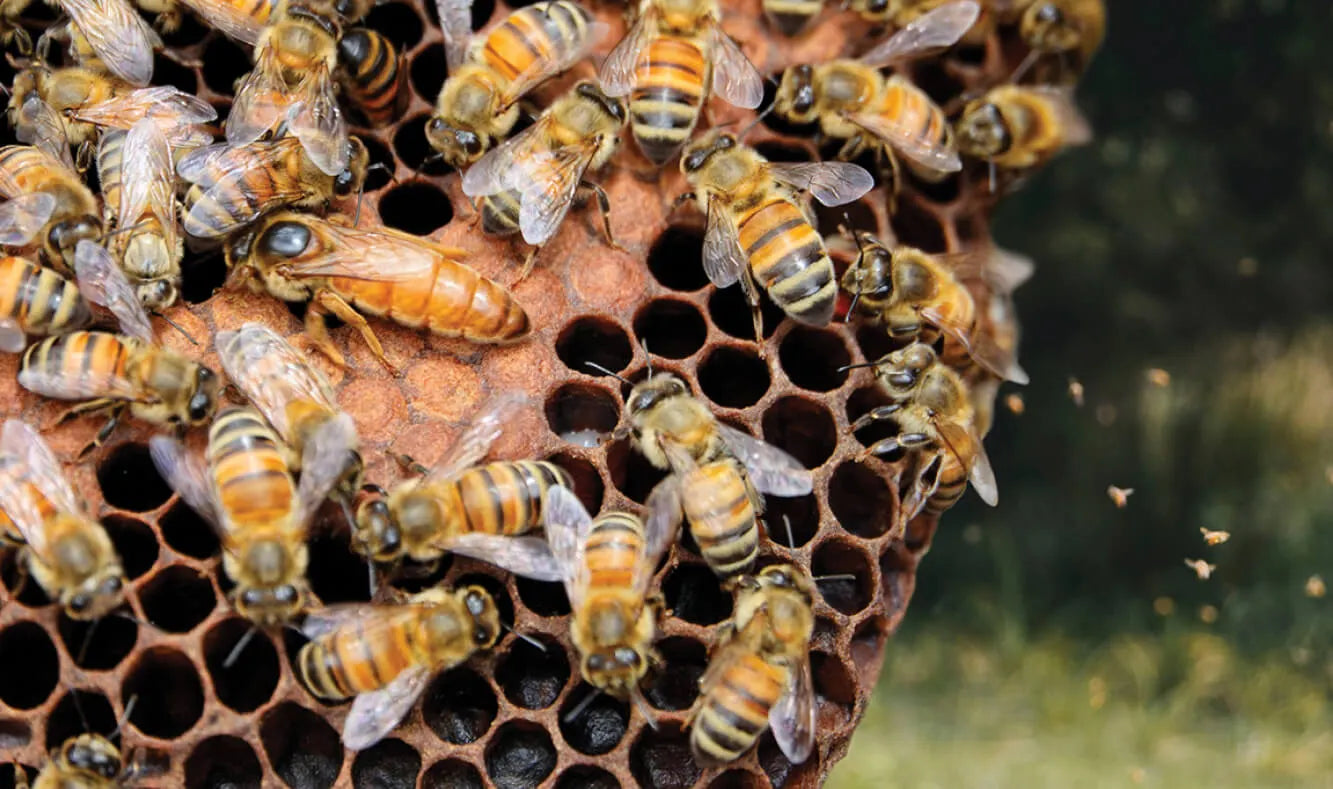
1070, 30
673, 51
372, 75
68, 553
759, 674
239, 20
384, 654
852, 101
759, 233
1015, 127
108, 35
717, 474
460, 507
346, 271
88, 761
607, 566
36, 301
478, 104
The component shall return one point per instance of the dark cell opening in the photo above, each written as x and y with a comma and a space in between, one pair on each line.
630, 472
585, 776
675, 686
409, 142
520, 755
783, 152
251, 678
202, 276
582, 414
800, 514
301, 746
398, 22
170, 698
459, 706
692, 593
897, 578
190, 32
803, 428
129, 480
68, 716
868, 640
451, 774
223, 762
874, 342
14, 733
588, 484
135, 544
594, 339
18, 581
837, 558
917, 227
412, 577
857, 215
733, 377
385, 765
670, 328
832, 679
98, 645
811, 358
532, 677
177, 598
941, 191
168, 72
862, 402
416, 207
731, 313
599, 726
29, 667
736, 779
661, 759
861, 501
187, 533
428, 72
938, 83
542, 598
224, 63
379, 177
676, 258
336, 571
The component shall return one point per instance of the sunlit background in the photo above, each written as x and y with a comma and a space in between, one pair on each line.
1184, 279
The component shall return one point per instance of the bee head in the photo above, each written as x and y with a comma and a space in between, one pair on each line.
615, 670
353, 176
91, 753
697, 156
653, 391
376, 533
158, 294
983, 131
613, 107
1049, 28
96, 596
485, 616
795, 99
458, 146
787, 577
903, 368
203, 396
871, 276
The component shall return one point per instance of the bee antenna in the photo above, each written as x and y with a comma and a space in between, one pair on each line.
604, 371
642, 705
757, 119
371, 487
177, 327
649, 355
240, 647
78, 708
124, 716
87, 641
523, 637
573, 714
857, 365
786, 522
835, 577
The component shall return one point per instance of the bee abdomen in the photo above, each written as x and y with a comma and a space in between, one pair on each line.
500, 212
735, 711
109, 163
81, 361
545, 31
349, 661
374, 79
789, 260
722, 518
506, 497
249, 467
615, 542
668, 92
952, 484
41, 301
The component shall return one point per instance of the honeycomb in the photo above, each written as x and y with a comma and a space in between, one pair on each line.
500, 718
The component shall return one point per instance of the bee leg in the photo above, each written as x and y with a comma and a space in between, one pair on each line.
756, 315
876, 415
681, 200
604, 206
317, 335
528, 263
89, 407
104, 434
170, 55
408, 463
83, 157
22, 41
20, 777
334, 303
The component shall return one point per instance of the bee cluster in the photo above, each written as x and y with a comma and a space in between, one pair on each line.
524, 622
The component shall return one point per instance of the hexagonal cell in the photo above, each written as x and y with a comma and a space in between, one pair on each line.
661, 759
99, 645
733, 377
399, 22
201, 277
737, 779
452, 774
676, 258
387, 763
675, 685
832, 562
599, 724
833, 680
532, 677
582, 414
861, 500
459, 706
417, 207
731, 313
594, 339
856, 215
874, 342
129, 480
135, 543
897, 578
917, 227
585, 776
170, 698
862, 402
29, 666
14, 733
811, 358
379, 177
791, 521
223, 762
251, 676
79, 712
630, 472
803, 427
694, 594
587, 482
428, 71
781, 772
520, 754
18, 581
225, 62
332, 563
301, 746
177, 599
868, 640
670, 328
168, 72
541, 597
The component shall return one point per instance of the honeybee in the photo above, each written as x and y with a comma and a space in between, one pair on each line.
239, 20
107, 35
717, 474
901, 13
915, 295
1020, 127
233, 186
759, 674
607, 566
67, 552
1070, 30
384, 654
88, 761
758, 232
937, 422
460, 507
36, 301
247, 492
372, 75
890, 116
663, 64
529, 183
345, 271
297, 401
478, 104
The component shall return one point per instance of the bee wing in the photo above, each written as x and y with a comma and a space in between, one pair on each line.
231, 20
148, 179
957, 439
907, 142
474, 442
220, 171
316, 120
735, 78
792, 718
983, 350
456, 25
1075, 127
664, 513
831, 183
19, 440
60, 386
528, 556
1007, 270
186, 475
270, 372
12, 337
103, 282
374, 255
322, 462
39, 125
772, 470
935, 29
550, 183
22, 218
543, 68
497, 170
118, 35
617, 73
375, 714
723, 259
174, 111
567, 523
262, 100
325, 620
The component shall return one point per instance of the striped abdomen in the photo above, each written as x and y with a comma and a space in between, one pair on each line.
536, 38
363, 656
453, 301
372, 75
504, 497
27, 170
735, 710
500, 213
39, 300
613, 551
791, 16
249, 471
20, 478
952, 477
905, 106
788, 258
669, 79
110, 157
721, 513
235, 200
82, 365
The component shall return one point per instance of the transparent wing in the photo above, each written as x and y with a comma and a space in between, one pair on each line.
196, 165
456, 25
831, 183
1076, 129
72, 386
221, 170
316, 120
967, 448
735, 78
617, 73
793, 716
148, 179
375, 714
942, 158
983, 350
566, 523
12, 337
547, 192
772, 470
175, 112
1007, 270
118, 35
496, 171
474, 442
369, 254
935, 29
102, 282
271, 373
18, 439
547, 66
323, 460
723, 259
186, 475
660, 527
262, 100
39, 125
231, 20
23, 217
322, 621
529, 556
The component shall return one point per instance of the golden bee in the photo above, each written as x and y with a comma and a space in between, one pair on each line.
298, 402
889, 116
717, 471
383, 655
758, 233
246, 490
758, 676
67, 552
37, 302
232, 186
901, 13
345, 271
607, 565
916, 295
88, 761
936, 423
457, 506
528, 183
372, 75
479, 102
108, 36
239, 20
1014, 127
667, 63
1069, 31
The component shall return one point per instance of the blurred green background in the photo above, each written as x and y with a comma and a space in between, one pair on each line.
1059, 641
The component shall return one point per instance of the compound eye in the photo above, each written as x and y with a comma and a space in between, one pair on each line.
626, 656
596, 662
469, 140
1050, 13
110, 586
252, 597
475, 605
285, 594
79, 603
481, 636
